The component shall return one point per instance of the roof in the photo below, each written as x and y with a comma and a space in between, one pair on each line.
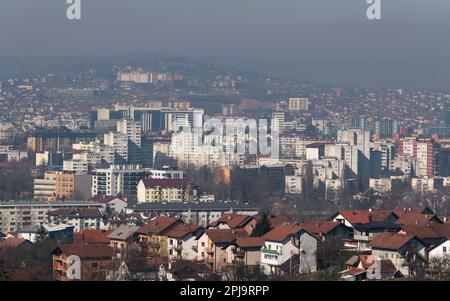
104, 199
354, 272
320, 227
411, 218
220, 236
362, 216
77, 213
250, 242
282, 232
159, 225
402, 209
391, 241
123, 232
92, 237
12, 242
181, 230
428, 230
193, 206
232, 220
165, 183
85, 251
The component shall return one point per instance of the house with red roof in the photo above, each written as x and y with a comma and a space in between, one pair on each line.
401, 249
153, 236
289, 248
246, 251
353, 217
93, 261
328, 230
166, 190
234, 221
213, 246
182, 241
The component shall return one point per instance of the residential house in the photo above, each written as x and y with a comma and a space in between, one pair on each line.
234, 221
401, 249
363, 234
247, 250
213, 246
353, 217
122, 239
289, 248
329, 230
110, 203
94, 260
153, 237
182, 242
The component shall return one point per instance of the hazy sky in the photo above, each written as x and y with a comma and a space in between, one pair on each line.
233, 28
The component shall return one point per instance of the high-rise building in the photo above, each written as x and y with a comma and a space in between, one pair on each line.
425, 152
298, 104
117, 179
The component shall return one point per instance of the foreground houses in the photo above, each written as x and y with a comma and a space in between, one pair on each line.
289, 248
403, 250
122, 240
94, 260
183, 241
213, 247
152, 236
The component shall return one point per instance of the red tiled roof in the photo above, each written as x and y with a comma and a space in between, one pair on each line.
428, 230
92, 236
232, 220
219, 236
250, 242
282, 232
362, 216
181, 230
402, 209
12, 242
86, 251
390, 241
320, 227
165, 183
159, 225
411, 218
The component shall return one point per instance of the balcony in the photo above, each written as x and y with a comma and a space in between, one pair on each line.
274, 252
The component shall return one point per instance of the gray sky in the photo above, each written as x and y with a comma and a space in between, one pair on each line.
410, 46
233, 28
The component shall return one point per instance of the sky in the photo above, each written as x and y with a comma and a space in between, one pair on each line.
327, 30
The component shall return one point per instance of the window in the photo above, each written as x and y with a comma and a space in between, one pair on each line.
444, 249
203, 243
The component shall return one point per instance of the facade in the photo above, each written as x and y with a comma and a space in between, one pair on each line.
195, 213
15, 215
117, 179
94, 261
165, 190
289, 248
298, 104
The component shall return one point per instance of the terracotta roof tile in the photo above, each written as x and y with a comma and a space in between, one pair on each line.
390, 241
85, 251
159, 225
220, 236
250, 242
